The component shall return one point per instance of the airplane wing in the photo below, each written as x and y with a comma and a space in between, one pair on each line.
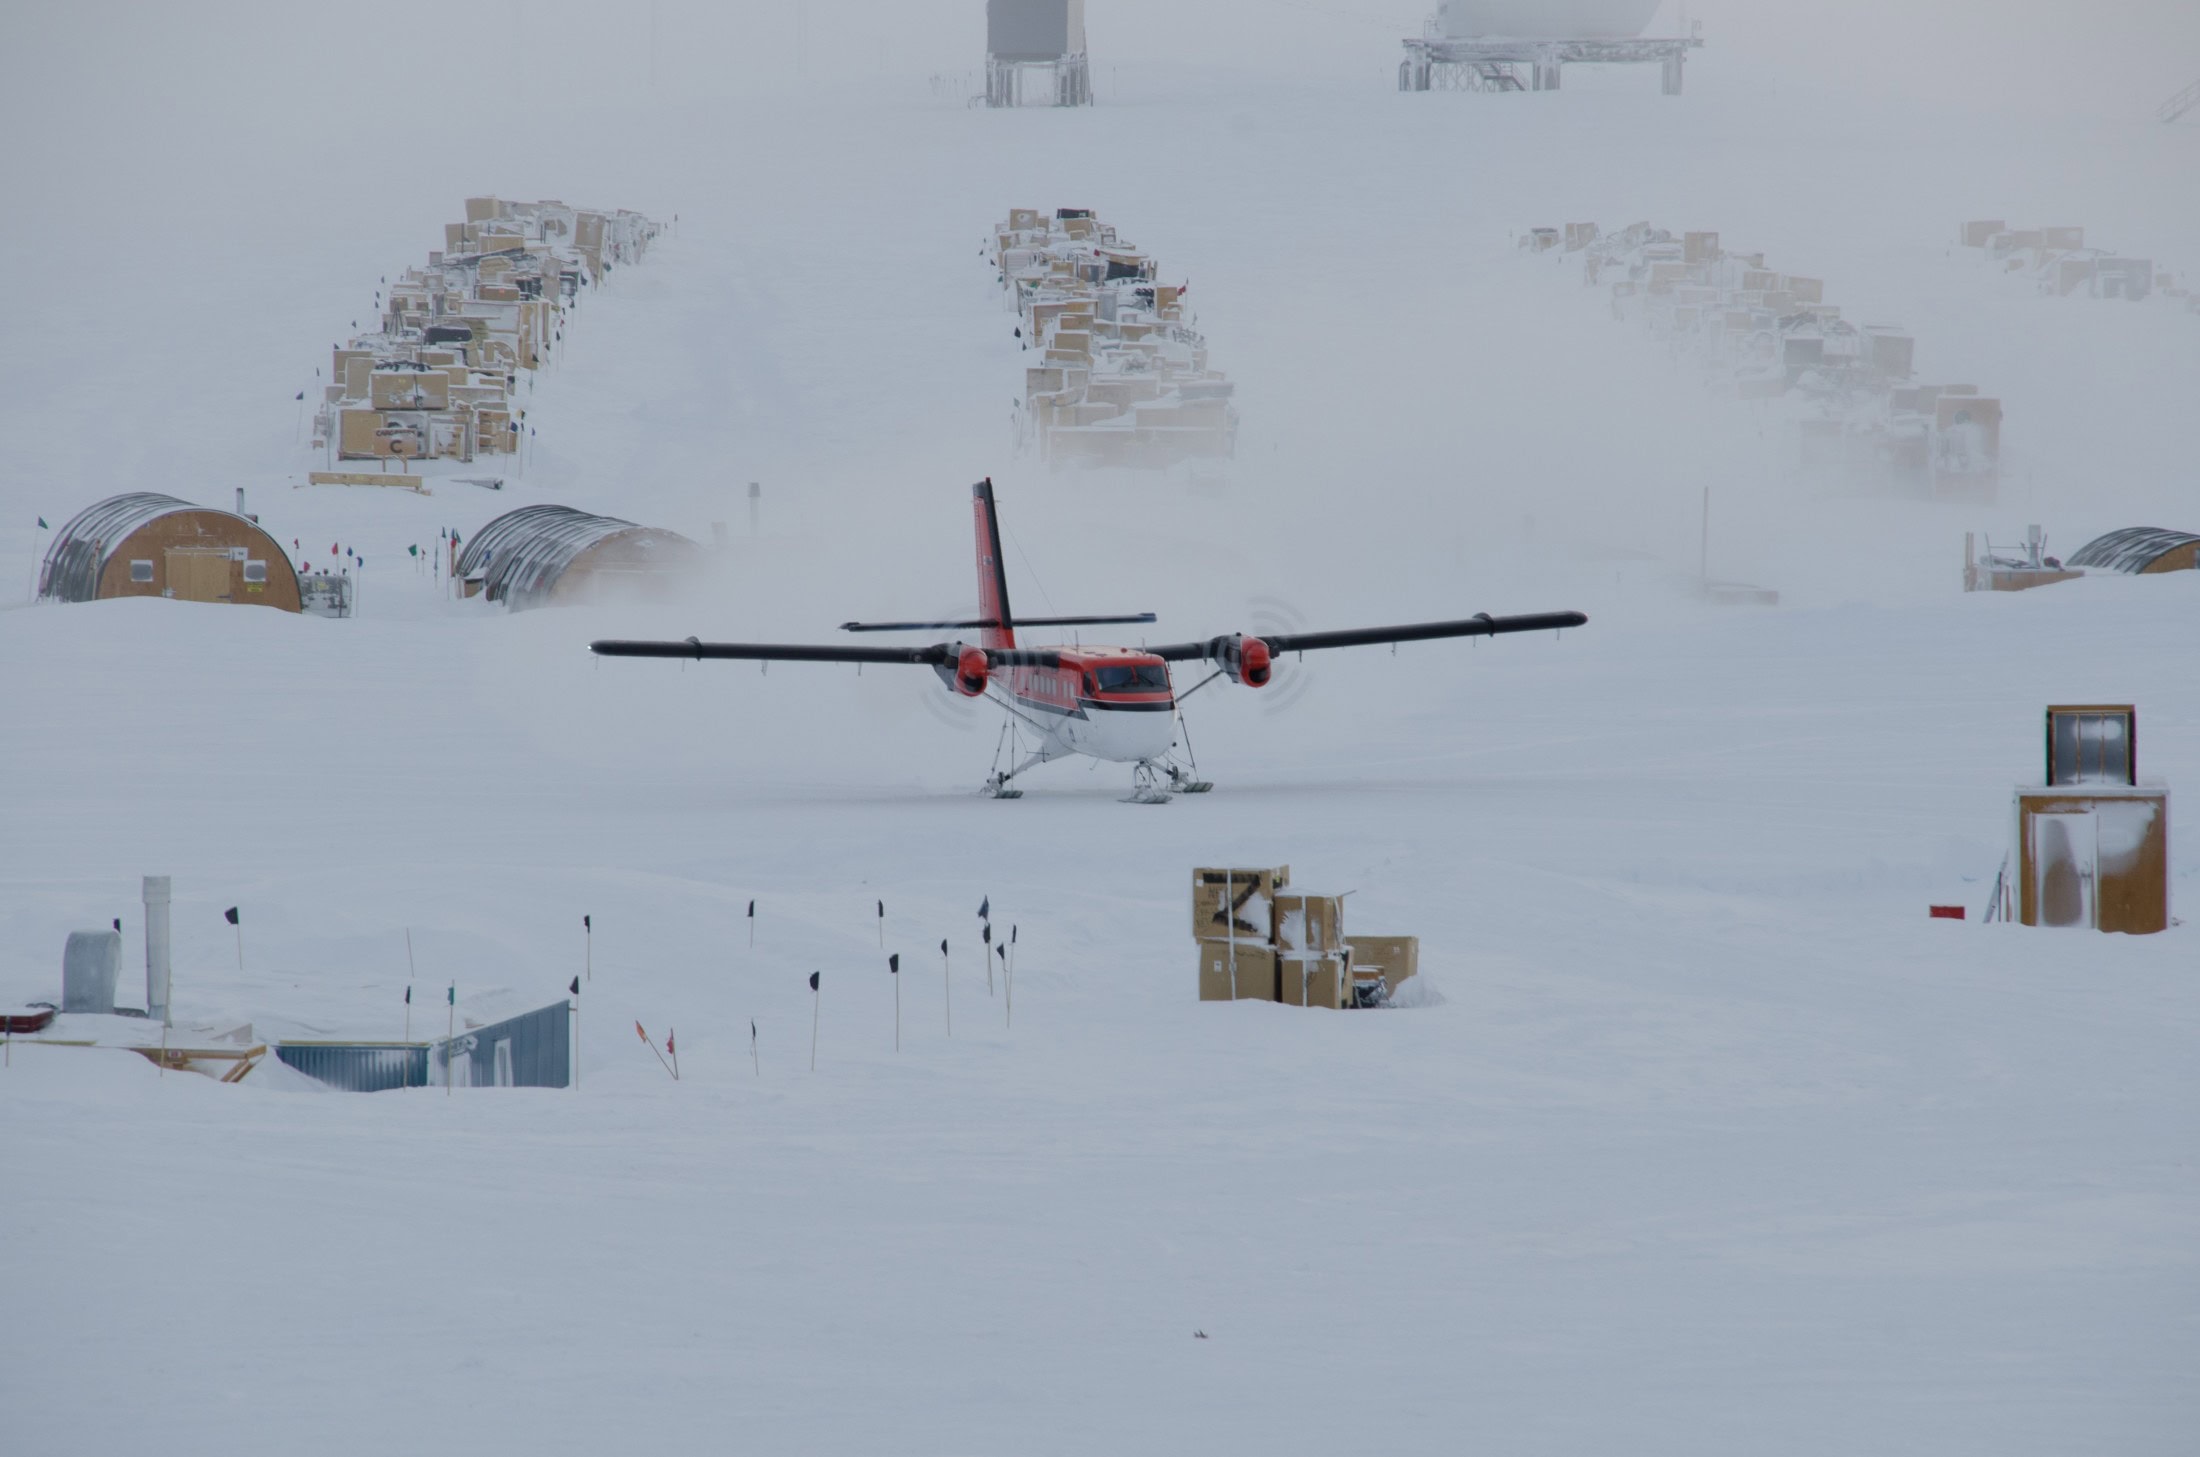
767, 652
1479, 625
937, 655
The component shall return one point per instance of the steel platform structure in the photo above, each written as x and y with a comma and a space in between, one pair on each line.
1434, 63
1059, 81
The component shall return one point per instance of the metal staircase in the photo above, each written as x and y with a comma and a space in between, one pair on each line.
2181, 103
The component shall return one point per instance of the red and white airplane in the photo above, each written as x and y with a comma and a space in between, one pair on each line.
1107, 703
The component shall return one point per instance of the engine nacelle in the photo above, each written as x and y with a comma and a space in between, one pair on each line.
1244, 657
965, 670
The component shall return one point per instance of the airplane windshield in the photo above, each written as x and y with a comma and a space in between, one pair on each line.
1134, 678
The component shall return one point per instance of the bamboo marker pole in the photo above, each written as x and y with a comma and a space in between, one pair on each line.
588, 947
412, 974
882, 925
947, 983
576, 989
1011, 977
754, 1056
1703, 545
752, 925
450, 1034
893, 969
815, 998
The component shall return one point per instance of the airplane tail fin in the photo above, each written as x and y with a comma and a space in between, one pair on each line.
992, 569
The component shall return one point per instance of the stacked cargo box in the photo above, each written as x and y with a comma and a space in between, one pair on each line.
1261, 941
1233, 921
1766, 335
437, 379
1119, 379
2057, 261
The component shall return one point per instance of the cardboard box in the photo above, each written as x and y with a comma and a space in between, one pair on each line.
1246, 893
1700, 247
1805, 290
409, 389
362, 435
1323, 980
1978, 235
1308, 923
1236, 971
2067, 240
1397, 957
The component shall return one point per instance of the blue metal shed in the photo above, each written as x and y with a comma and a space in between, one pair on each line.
359, 1067
532, 1050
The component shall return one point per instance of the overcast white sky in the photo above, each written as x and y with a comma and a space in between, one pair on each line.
265, 60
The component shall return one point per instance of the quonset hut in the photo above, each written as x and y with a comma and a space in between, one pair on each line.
149, 545
2140, 551
546, 556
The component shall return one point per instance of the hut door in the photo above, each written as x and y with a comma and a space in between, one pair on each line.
504, 1062
199, 576
2064, 854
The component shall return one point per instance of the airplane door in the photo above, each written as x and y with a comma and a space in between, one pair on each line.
2065, 852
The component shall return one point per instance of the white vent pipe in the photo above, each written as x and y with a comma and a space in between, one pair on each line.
156, 947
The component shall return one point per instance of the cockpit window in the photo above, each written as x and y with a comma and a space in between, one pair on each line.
1133, 678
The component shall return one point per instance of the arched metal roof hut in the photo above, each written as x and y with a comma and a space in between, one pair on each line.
541, 556
149, 545
2140, 550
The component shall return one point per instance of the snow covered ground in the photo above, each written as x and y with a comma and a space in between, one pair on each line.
1708, 1140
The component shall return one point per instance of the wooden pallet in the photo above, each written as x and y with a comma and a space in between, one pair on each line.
179, 1059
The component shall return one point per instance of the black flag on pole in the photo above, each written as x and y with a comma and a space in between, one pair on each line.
985, 933
943, 946
752, 910
893, 964
813, 981
985, 909
230, 915
585, 925
408, 996
576, 986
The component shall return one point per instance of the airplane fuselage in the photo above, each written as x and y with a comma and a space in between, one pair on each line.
1106, 703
